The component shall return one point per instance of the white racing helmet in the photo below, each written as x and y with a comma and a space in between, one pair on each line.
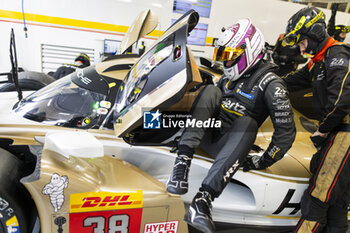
239, 47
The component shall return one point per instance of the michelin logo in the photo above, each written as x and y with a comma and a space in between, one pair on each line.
151, 120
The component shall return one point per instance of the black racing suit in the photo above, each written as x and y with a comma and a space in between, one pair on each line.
242, 106
324, 205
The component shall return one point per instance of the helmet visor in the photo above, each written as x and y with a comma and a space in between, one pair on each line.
290, 40
227, 54
345, 29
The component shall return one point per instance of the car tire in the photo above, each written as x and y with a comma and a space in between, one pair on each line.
13, 200
12, 216
25, 85
28, 81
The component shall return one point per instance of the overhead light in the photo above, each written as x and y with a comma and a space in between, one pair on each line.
125, 0
157, 5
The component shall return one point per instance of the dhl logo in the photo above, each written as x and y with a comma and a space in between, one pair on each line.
97, 201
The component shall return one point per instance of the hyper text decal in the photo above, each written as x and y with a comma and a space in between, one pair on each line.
162, 227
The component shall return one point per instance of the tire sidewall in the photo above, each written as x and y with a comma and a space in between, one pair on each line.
12, 200
11, 214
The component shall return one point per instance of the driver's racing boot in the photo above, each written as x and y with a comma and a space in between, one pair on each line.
178, 181
199, 213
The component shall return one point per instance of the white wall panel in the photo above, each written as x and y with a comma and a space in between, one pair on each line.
52, 56
269, 15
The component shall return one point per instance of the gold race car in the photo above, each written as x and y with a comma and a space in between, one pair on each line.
75, 156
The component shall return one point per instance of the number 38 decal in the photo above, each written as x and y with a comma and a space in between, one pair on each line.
116, 223
121, 221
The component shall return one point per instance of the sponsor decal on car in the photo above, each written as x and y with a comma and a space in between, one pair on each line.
105, 104
99, 201
102, 111
106, 212
60, 221
12, 225
287, 204
112, 221
162, 227
55, 189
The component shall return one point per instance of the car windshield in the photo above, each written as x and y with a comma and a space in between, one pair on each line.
73, 101
139, 74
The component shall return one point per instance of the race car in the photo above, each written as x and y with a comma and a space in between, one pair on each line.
95, 178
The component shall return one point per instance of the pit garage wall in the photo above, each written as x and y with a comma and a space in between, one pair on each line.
87, 23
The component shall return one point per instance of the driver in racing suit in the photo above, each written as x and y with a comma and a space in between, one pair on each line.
324, 205
245, 96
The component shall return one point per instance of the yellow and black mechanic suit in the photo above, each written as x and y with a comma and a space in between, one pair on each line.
324, 205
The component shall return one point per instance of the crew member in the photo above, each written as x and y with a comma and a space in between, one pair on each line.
324, 205
81, 61
286, 57
339, 31
244, 97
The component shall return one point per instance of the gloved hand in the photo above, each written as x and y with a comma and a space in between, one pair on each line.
256, 162
283, 58
251, 163
318, 139
280, 59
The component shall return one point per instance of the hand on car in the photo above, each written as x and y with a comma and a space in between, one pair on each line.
252, 163
318, 133
318, 138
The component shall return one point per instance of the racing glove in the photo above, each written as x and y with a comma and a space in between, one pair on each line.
256, 162
280, 59
318, 141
